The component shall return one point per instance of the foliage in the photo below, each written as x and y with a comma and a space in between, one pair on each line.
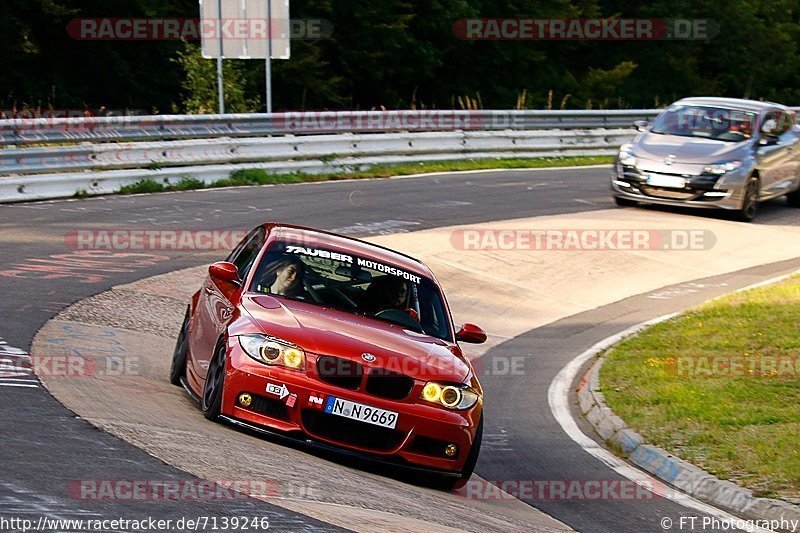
142, 187
200, 85
257, 176
404, 54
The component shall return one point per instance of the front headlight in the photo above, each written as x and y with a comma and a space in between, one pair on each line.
450, 396
626, 157
273, 351
722, 168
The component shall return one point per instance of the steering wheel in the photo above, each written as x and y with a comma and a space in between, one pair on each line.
400, 317
312, 291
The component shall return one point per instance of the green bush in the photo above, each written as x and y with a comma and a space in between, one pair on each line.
200, 84
143, 186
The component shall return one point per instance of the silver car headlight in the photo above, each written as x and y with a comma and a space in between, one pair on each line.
626, 156
273, 351
451, 396
722, 168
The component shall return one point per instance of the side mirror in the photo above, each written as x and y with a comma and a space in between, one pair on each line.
641, 125
225, 272
471, 333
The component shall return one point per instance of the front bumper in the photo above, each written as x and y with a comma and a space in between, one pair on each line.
419, 438
703, 191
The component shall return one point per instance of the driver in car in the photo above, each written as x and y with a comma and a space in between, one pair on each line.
387, 293
284, 277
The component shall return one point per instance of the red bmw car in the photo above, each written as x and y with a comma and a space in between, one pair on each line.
338, 342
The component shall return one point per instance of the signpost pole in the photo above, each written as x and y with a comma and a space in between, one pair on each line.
268, 63
220, 84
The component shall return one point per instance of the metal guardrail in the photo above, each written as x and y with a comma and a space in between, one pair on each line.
314, 154
173, 127
155, 155
98, 156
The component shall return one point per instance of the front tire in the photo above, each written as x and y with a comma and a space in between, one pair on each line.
211, 402
750, 202
178, 368
793, 198
624, 202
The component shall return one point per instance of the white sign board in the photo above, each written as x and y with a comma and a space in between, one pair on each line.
242, 28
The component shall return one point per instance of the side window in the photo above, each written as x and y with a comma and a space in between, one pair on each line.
432, 314
245, 254
769, 123
785, 125
778, 122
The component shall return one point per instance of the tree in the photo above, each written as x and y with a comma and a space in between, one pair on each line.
201, 93
404, 53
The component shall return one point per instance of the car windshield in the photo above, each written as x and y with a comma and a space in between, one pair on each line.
354, 284
716, 123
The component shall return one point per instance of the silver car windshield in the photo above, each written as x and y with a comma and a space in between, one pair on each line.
716, 123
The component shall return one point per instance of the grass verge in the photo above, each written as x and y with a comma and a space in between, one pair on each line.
261, 177
720, 387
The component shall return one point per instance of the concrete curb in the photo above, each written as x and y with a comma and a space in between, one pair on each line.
659, 462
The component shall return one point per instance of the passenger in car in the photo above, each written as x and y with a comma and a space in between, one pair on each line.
284, 277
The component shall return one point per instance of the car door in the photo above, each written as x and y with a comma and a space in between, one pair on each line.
214, 306
775, 158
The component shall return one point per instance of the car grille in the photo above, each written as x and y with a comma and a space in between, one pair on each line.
270, 407
388, 384
340, 372
676, 194
696, 187
346, 431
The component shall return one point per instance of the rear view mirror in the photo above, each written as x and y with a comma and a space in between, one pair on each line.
471, 333
351, 273
641, 125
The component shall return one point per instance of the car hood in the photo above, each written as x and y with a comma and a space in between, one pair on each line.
653, 146
325, 331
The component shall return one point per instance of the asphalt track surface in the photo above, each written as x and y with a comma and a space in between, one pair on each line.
44, 446
533, 446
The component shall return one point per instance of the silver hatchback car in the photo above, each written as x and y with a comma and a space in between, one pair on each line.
712, 153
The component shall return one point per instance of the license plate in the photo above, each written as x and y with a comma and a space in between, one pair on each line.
361, 412
659, 180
